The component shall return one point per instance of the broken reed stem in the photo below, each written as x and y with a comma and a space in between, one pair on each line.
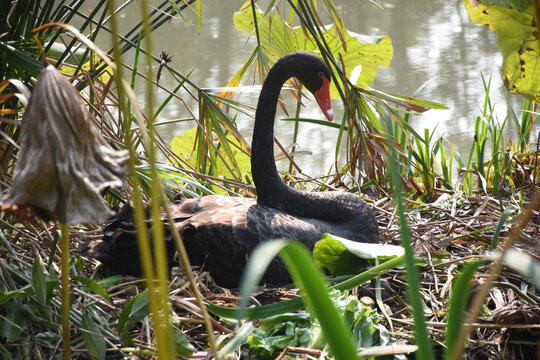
158, 302
164, 333
494, 272
64, 247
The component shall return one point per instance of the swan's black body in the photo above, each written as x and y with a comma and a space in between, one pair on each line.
220, 232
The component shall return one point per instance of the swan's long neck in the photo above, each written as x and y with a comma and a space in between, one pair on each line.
271, 190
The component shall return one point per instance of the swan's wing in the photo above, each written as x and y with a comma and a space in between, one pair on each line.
270, 223
219, 233
220, 240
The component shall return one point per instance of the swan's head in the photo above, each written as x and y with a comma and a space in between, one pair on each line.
312, 71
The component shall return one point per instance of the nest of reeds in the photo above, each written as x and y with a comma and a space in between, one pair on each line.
446, 235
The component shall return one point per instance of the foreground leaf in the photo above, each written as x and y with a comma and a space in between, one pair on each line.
277, 332
7, 296
183, 346
335, 257
93, 285
11, 325
523, 263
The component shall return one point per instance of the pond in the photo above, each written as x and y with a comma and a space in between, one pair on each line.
435, 46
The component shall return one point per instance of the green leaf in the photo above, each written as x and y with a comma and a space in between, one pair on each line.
502, 221
52, 283
341, 256
317, 122
303, 330
11, 325
4, 354
259, 312
517, 38
240, 338
277, 332
135, 310
110, 281
361, 319
412, 276
369, 250
8, 295
183, 346
334, 256
92, 336
518, 4
418, 105
48, 336
171, 176
38, 282
363, 55
20, 59
92, 285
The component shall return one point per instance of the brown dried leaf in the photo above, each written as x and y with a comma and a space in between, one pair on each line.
64, 162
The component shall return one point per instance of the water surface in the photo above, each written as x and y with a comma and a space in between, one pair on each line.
435, 46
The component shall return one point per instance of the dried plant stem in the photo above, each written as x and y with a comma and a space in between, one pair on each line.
66, 342
494, 272
164, 334
193, 284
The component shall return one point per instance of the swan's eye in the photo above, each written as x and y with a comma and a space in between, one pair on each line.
321, 75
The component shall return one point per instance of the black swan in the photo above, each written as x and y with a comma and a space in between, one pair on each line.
220, 232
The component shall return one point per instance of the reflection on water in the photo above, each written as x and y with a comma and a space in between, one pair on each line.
435, 45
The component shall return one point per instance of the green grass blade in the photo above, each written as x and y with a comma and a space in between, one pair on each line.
502, 221
65, 307
461, 290
407, 102
198, 6
239, 339
310, 279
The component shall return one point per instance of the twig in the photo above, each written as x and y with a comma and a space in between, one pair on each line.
494, 272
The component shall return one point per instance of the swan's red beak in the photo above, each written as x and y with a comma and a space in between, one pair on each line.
323, 99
